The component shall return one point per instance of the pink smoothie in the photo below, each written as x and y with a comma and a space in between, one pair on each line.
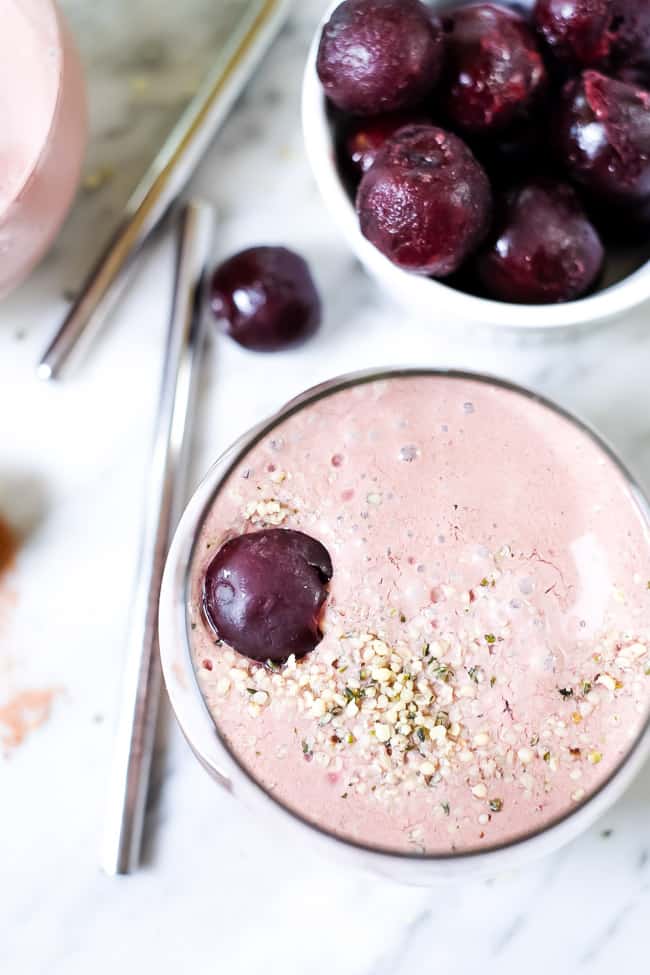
42, 139
484, 665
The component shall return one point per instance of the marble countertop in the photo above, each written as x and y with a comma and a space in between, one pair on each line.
219, 891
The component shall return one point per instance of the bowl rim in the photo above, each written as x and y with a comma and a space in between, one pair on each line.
200, 729
422, 293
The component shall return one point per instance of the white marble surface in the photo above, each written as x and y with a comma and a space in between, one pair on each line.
218, 891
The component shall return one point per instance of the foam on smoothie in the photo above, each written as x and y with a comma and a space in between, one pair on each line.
484, 665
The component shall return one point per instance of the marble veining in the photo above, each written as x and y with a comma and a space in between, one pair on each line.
219, 892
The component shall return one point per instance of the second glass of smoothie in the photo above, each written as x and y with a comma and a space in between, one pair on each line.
43, 138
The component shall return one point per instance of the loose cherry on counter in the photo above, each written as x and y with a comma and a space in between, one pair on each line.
545, 249
602, 133
266, 297
494, 70
378, 56
426, 202
263, 593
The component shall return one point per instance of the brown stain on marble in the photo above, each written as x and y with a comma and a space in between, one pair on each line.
27, 710
8, 548
8, 551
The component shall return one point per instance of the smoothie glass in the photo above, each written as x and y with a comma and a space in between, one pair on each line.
200, 730
43, 105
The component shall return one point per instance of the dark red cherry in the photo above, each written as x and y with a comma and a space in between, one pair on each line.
608, 34
263, 593
637, 75
602, 133
364, 137
630, 25
426, 203
267, 298
545, 249
378, 56
576, 31
494, 71
517, 153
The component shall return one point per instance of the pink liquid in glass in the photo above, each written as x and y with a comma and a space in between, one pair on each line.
43, 137
485, 661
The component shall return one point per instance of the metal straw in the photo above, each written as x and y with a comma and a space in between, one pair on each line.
165, 179
141, 692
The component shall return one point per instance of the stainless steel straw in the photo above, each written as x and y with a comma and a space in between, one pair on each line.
165, 178
139, 706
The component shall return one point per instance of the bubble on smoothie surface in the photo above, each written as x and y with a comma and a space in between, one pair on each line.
266, 297
263, 593
379, 56
409, 453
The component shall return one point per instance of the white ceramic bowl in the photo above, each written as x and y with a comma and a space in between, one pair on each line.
432, 300
201, 732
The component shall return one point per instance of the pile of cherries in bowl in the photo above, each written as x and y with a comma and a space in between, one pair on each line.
503, 149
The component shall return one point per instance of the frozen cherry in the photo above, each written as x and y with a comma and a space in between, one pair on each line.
630, 25
266, 297
379, 56
576, 31
263, 593
364, 137
603, 137
638, 75
545, 249
494, 70
513, 155
596, 33
426, 203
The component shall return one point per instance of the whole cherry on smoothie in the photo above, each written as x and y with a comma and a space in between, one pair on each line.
378, 56
264, 591
426, 202
494, 70
544, 250
266, 298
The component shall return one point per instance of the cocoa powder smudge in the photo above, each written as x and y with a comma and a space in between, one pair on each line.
26, 712
8, 548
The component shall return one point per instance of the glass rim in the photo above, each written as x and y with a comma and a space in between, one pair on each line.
234, 455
